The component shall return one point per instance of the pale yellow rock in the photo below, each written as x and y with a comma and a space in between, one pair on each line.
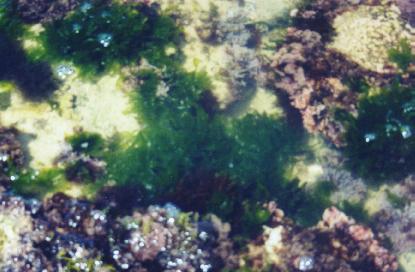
407, 261
30, 41
269, 10
311, 174
13, 223
98, 107
365, 35
274, 243
377, 200
265, 102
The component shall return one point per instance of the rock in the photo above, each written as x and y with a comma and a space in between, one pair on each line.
39, 11
407, 8
336, 243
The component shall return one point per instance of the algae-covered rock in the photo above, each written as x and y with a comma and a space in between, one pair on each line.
366, 34
67, 234
408, 10
44, 10
336, 243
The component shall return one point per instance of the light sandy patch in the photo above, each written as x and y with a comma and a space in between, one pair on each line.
209, 59
45, 127
377, 200
306, 173
274, 243
407, 261
268, 10
96, 107
265, 102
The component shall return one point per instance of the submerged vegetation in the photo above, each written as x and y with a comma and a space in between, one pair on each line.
87, 143
402, 55
186, 144
188, 152
380, 140
99, 35
185, 152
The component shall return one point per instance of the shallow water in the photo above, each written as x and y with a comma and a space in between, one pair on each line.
207, 135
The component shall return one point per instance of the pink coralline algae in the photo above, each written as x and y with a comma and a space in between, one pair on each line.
336, 243
408, 10
317, 78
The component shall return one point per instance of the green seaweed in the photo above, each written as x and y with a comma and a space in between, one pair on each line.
100, 36
5, 100
396, 201
380, 140
186, 151
314, 203
87, 143
39, 184
253, 218
355, 210
402, 54
9, 22
206, 162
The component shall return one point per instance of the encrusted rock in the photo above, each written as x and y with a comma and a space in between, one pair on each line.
172, 241
311, 76
11, 155
313, 70
407, 8
336, 243
36, 11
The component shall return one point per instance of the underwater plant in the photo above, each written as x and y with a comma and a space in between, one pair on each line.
402, 55
98, 35
380, 139
91, 144
9, 23
189, 155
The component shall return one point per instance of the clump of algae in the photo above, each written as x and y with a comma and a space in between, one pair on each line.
98, 36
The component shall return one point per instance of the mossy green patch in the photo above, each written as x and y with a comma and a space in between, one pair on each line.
9, 23
397, 202
207, 162
39, 184
402, 55
100, 36
5, 99
356, 211
380, 140
87, 143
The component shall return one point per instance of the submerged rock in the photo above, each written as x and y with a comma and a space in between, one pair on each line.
336, 243
366, 34
171, 242
311, 76
19, 234
407, 8
322, 73
36, 11
64, 233
11, 155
